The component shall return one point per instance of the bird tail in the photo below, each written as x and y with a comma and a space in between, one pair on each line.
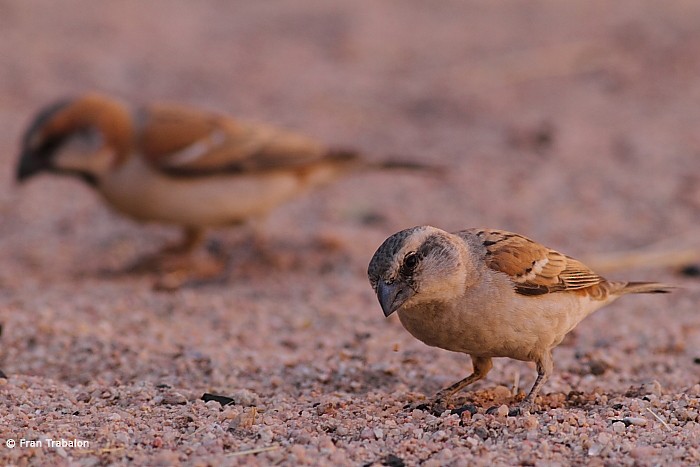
356, 159
402, 164
646, 287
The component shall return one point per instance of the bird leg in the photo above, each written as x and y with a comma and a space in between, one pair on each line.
482, 365
183, 263
171, 255
191, 239
544, 369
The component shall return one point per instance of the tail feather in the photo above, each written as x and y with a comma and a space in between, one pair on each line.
398, 164
646, 287
356, 159
343, 155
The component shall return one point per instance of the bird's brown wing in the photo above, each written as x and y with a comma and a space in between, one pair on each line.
184, 141
533, 268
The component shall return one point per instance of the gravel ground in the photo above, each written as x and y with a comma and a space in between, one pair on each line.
574, 123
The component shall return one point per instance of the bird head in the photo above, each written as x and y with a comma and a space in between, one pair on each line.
418, 265
85, 136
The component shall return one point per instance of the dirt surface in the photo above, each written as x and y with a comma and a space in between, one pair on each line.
575, 123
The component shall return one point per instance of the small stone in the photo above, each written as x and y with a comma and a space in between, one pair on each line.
244, 420
501, 392
471, 408
503, 411
174, 398
618, 427
223, 400
530, 422
597, 367
246, 398
481, 432
642, 452
596, 449
637, 421
472, 442
652, 387
393, 461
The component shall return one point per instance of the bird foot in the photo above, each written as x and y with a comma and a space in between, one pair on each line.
524, 408
179, 271
437, 405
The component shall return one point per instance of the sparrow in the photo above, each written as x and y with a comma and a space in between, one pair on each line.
489, 293
173, 164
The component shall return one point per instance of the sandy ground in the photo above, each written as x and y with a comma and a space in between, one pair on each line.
575, 123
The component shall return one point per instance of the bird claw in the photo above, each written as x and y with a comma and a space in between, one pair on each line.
193, 271
435, 406
523, 408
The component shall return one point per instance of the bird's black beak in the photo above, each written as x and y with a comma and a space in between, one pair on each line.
29, 165
392, 296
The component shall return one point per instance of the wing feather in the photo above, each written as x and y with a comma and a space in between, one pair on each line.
184, 141
533, 268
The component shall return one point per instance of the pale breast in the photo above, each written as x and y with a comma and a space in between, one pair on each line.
503, 325
143, 193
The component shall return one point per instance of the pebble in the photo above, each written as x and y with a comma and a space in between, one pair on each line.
637, 421
618, 427
596, 449
530, 422
246, 398
652, 387
472, 442
642, 452
481, 432
501, 392
174, 398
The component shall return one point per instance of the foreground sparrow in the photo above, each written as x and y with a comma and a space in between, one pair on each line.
488, 293
178, 165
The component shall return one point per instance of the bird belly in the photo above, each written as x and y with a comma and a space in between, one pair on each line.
141, 192
516, 329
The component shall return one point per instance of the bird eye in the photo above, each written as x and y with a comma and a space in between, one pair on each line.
410, 262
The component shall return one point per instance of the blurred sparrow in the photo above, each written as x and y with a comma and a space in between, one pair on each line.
488, 293
178, 165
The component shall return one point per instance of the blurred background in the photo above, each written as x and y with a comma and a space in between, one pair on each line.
565, 120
